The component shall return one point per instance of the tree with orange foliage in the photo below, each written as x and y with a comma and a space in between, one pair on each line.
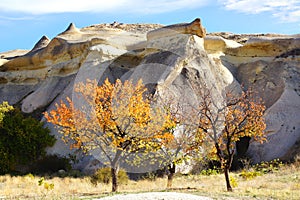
225, 122
116, 118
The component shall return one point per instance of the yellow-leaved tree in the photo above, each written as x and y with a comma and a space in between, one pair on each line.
117, 119
188, 139
225, 122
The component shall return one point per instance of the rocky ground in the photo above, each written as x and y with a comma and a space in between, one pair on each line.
141, 28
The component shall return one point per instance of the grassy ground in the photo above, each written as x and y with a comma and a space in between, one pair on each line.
282, 184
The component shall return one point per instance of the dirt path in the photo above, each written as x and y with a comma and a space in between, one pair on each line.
156, 196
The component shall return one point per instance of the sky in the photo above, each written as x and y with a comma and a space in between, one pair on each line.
24, 22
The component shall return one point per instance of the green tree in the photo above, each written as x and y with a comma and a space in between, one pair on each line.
22, 140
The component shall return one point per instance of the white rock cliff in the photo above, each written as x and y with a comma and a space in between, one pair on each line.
39, 78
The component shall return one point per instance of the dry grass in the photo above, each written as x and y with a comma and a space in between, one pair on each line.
284, 184
27, 187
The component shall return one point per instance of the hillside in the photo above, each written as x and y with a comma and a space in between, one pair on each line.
38, 78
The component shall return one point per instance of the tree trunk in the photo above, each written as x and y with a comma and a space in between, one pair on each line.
115, 170
114, 175
228, 185
172, 169
226, 166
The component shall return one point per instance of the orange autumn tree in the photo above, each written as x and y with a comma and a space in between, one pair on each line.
225, 122
117, 119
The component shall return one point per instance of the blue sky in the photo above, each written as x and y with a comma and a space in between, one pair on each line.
24, 22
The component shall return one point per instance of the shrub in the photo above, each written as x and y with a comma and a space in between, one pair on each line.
103, 175
31, 176
250, 174
206, 166
151, 176
23, 140
75, 173
4, 108
233, 182
47, 186
51, 164
267, 167
208, 172
261, 168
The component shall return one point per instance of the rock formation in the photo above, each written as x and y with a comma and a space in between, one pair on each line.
42, 43
38, 79
72, 29
194, 28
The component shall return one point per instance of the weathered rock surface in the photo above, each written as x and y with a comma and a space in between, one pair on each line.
195, 28
43, 42
39, 78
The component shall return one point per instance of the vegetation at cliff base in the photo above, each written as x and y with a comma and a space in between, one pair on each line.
23, 140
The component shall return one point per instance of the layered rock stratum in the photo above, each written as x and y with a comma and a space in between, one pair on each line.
39, 78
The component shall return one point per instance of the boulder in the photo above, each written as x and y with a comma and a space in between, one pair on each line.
277, 82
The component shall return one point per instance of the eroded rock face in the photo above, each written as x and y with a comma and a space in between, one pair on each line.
39, 78
194, 28
42, 43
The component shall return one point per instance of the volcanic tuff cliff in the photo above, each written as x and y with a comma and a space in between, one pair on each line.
39, 78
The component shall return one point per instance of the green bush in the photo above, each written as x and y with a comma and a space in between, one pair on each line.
103, 175
23, 140
267, 167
